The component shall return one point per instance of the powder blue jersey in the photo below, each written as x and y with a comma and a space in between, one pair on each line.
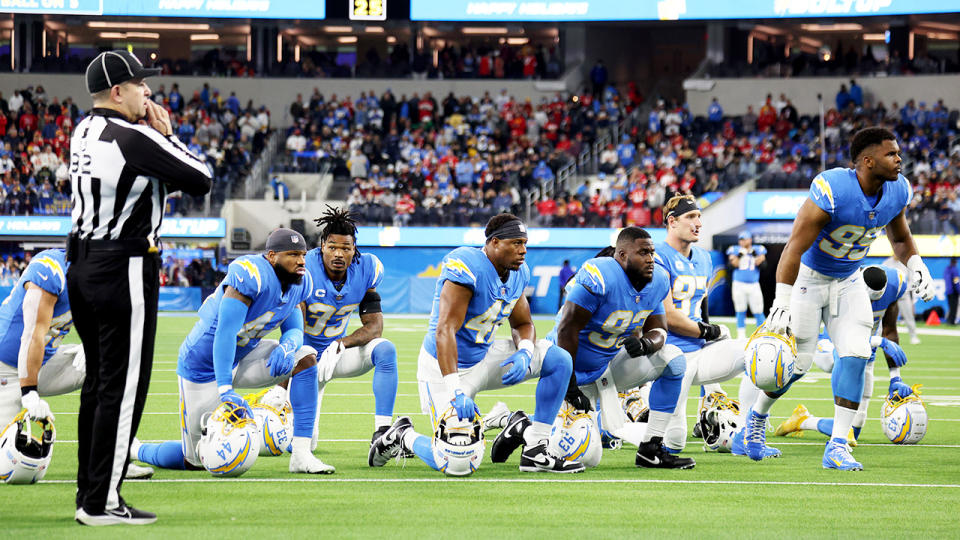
602, 287
329, 308
492, 302
47, 270
688, 283
854, 222
253, 277
747, 272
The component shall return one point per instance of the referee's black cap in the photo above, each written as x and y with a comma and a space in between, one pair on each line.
111, 68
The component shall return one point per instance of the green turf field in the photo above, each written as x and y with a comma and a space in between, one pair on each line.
904, 491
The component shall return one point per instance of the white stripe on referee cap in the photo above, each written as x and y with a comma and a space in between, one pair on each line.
106, 74
125, 63
125, 418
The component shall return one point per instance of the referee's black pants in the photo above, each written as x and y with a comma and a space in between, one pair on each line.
113, 298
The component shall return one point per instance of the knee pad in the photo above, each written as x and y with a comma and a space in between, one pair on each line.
556, 359
677, 367
384, 354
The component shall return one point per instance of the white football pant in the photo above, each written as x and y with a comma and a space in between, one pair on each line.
56, 377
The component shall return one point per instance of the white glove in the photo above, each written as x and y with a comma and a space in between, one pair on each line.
724, 332
37, 409
920, 278
778, 321
328, 360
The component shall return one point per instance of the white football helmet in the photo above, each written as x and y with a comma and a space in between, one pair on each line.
770, 360
26, 447
575, 437
905, 420
230, 441
458, 445
633, 404
719, 423
274, 417
275, 429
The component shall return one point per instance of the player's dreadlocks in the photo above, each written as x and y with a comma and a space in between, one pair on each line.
337, 221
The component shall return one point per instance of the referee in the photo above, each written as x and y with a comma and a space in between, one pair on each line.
123, 161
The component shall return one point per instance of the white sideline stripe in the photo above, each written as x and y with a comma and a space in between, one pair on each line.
518, 481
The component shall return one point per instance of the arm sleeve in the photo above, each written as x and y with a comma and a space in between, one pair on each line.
292, 327
166, 158
230, 319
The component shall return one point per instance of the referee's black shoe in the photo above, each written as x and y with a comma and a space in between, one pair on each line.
121, 515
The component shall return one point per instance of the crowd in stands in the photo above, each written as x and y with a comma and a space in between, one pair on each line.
35, 131
452, 61
416, 161
199, 272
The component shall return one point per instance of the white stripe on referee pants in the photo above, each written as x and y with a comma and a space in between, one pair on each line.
125, 419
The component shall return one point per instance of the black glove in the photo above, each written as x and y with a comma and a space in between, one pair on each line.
637, 346
709, 332
575, 396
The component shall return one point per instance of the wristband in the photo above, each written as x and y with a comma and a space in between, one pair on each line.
784, 291
24, 390
452, 382
660, 331
526, 345
224, 388
894, 372
876, 341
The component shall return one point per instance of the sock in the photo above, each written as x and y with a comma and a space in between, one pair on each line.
657, 424
760, 318
304, 389
842, 420
763, 404
300, 446
423, 449
167, 455
380, 421
825, 426
748, 396
809, 423
135, 447
554, 378
741, 321
385, 379
538, 431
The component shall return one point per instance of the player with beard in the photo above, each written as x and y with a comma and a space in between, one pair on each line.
613, 326
260, 293
819, 279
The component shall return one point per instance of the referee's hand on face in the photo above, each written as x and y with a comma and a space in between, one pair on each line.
158, 118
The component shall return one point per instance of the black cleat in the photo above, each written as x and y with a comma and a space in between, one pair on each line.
538, 459
121, 515
652, 456
510, 438
390, 444
376, 434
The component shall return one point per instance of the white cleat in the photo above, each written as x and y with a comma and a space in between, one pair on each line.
497, 417
309, 464
138, 472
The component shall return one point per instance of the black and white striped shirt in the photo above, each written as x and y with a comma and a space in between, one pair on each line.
121, 173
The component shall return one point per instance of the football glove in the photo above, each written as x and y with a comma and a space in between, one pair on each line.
231, 396
920, 278
521, 363
778, 321
464, 405
328, 360
37, 409
713, 332
637, 346
575, 397
893, 352
281, 360
897, 386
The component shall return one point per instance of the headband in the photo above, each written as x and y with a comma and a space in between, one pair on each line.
684, 206
282, 240
511, 229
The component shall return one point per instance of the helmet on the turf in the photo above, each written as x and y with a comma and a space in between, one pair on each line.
229, 443
633, 405
719, 422
575, 437
770, 360
458, 445
904, 419
26, 447
275, 429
